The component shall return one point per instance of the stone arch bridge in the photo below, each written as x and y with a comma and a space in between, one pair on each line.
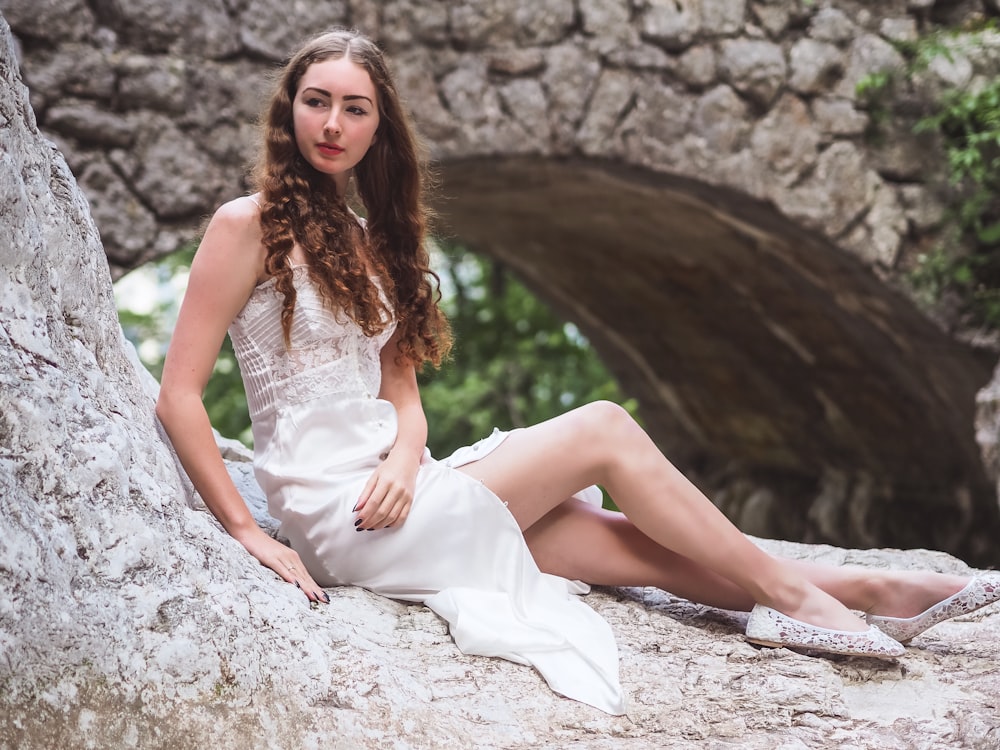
690, 181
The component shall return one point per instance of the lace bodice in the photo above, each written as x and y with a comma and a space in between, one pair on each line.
329, 354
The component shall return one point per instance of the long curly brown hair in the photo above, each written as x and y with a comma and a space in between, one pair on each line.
301, 205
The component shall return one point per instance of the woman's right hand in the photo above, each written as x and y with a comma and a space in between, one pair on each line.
284, 561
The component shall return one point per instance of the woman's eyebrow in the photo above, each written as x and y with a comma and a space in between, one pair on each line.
347, 97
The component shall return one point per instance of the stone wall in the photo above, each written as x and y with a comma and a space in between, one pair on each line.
688, 180
153, 104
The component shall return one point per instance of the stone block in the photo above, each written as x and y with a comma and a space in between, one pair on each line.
721, 117
756, 68
606, 17
723, 17
772, 18
673, 24
51, 22
614, 92
835, 116
868, 54
785, 139
697, 65
815, 66
832, 25
156, 82
898, 29
89, 125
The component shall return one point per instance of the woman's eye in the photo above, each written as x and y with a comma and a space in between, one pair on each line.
355, 110
314, 102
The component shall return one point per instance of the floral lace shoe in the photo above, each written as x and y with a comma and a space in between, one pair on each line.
979, 592
768, 627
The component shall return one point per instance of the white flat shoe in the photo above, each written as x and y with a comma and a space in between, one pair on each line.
768, 627
979, 592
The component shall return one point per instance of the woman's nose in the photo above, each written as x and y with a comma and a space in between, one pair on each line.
332, 125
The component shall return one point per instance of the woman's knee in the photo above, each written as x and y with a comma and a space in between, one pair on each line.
605, 422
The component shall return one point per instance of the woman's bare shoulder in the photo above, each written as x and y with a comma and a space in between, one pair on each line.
233, 236
242, 211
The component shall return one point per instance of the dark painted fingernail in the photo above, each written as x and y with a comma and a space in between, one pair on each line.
358, 522
297, 585
355, 508
359, 529
316, 595
326, 597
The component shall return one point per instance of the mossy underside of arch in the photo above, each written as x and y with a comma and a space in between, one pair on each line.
756, 349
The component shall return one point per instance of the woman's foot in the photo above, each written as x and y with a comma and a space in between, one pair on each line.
768, 627
806, 617
968, 596
907, 593
813, 606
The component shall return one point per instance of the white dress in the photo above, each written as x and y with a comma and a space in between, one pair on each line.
320, 430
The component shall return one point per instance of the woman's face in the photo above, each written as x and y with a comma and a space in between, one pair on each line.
335, 116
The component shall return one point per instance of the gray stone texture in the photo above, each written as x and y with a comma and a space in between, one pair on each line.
814, 65
755, 68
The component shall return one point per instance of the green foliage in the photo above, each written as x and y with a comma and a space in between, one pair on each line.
966, 123
939, 273
514, 364
873, 91
873, 85
147, 325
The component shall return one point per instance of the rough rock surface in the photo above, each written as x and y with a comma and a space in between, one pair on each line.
129, 619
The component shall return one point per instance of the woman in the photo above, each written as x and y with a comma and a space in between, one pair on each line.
331, 316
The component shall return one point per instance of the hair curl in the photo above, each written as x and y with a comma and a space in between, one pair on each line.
300, 205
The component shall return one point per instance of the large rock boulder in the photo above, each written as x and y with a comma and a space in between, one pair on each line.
129, 619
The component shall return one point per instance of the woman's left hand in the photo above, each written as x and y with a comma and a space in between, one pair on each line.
388, 494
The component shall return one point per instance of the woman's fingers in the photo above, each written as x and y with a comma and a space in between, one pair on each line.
366, 493
383, 508
387, 495
289, 566
304, 582
284, 561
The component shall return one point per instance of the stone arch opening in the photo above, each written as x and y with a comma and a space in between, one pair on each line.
811, 399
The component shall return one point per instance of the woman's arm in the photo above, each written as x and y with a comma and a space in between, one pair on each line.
388, 494
226, 268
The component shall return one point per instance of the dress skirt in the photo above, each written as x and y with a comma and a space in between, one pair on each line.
460, 551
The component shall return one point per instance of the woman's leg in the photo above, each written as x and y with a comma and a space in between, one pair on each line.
576, 540
535, 469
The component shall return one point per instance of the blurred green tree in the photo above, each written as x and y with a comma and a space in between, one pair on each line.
515, 363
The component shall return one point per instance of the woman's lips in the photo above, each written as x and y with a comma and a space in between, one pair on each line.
330, 149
